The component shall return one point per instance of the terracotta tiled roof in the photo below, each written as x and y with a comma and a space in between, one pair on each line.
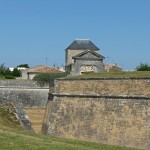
32, 69
47, 70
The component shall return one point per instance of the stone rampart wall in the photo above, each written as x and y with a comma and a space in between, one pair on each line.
105, 120
112, 111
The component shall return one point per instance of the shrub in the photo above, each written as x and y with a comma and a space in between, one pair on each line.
143, 67
9, 77
16, 72
2, 77
46, 77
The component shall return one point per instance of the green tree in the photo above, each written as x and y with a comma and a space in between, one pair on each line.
5, 72
143, 67
2, 69
23, 65
16, 72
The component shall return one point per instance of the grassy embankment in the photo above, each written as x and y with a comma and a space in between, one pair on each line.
134, 74
12, 137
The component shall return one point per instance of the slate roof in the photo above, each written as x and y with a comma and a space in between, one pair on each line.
89, 51
82, 44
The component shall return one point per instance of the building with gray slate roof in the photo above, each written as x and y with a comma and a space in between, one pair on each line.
82, 56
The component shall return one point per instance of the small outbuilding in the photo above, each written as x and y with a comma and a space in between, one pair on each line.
30, 73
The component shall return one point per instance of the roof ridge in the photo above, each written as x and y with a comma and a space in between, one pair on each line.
82, 39
82, 44
87, 51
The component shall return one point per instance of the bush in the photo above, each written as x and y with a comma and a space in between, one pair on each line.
2, 77
46, 77
143, 67
9, 77
16, 72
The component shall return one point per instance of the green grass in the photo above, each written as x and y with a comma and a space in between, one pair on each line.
7, 118
134, 74
12, 137
19, 140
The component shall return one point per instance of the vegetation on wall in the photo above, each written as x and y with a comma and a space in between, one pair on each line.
8, 116
143, 67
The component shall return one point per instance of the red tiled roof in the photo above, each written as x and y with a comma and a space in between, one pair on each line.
46, 70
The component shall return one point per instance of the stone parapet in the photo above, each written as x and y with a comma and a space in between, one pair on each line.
109, 86
22, 84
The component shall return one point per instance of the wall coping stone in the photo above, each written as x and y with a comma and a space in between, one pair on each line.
22, 87
117, 78
22, 83
138, 97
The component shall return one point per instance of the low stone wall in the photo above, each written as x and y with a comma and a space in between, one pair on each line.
21, 84
110, 86
27, 92
28, 97
112, 111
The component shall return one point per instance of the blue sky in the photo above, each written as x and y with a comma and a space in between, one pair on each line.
33, 31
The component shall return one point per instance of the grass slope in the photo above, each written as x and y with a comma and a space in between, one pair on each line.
134, 74
12, 137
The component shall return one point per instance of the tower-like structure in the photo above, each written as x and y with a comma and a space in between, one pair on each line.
82, 55
78, 46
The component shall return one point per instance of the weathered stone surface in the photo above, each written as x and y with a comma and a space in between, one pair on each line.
113, 86
113, 121
28, 97
112, 111
27, 92
21, 84
23, 117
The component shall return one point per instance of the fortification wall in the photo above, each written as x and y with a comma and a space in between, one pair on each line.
112, 111
26, 95
109, 86
28, 92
